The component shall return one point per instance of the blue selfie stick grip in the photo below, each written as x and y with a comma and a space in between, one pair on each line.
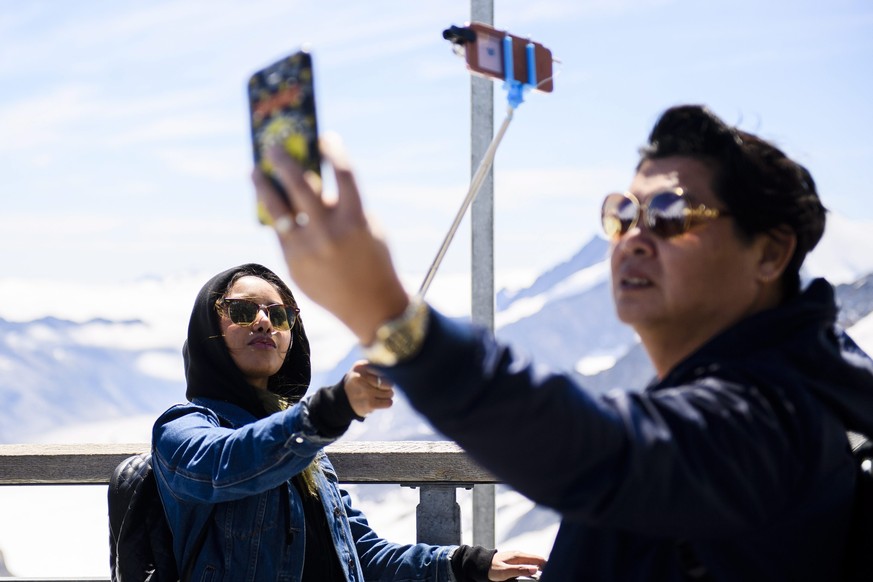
516, 89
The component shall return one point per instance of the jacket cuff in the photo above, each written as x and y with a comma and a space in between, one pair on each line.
471, 563
330, 411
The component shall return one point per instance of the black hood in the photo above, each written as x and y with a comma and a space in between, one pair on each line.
801, 343
209, 369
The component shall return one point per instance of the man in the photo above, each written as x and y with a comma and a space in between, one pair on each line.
733, 464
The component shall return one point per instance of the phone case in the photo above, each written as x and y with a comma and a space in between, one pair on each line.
485, 56
282, 109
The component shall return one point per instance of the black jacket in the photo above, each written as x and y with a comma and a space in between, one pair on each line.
738, 457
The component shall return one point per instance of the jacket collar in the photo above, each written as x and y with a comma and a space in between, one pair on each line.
797, 344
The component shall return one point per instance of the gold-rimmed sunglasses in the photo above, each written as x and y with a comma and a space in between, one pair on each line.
667, 214
245, 312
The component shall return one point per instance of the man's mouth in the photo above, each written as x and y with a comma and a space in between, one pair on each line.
635, 282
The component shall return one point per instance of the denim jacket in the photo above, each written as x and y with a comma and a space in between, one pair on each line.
212, 454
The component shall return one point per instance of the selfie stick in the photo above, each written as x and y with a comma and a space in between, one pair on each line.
515, 96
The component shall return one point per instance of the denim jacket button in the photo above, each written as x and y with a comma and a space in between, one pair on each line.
298, 440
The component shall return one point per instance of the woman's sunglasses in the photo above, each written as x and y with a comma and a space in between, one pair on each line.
667, 214
245, 312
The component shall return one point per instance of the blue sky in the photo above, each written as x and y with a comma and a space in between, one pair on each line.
124, 149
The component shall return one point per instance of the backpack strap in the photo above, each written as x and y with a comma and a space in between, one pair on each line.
140, 539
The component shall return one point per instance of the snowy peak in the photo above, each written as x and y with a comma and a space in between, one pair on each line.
566, 319
592, 253
855, 301
843, 254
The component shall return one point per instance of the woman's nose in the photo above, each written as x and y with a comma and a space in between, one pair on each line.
262, 321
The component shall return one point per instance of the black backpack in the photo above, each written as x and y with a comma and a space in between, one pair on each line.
858, 565
140, 540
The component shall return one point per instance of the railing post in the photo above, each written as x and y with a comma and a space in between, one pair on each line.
438, 516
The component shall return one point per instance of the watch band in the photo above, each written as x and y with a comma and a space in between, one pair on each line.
401, 338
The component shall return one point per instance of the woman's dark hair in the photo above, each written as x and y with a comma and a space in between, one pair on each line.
762, 187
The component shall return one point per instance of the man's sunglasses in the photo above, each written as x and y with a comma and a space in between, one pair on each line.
666, 214
245, 312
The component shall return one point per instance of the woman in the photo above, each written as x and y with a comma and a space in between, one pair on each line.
248, 492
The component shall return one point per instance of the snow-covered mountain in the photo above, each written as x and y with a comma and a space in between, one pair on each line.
58, 374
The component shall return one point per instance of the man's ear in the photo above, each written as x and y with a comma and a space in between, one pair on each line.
777, 249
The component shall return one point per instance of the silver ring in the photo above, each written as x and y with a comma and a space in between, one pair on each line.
283, 224
379, 381
302, 219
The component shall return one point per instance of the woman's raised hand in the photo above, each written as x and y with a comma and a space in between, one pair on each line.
367, 390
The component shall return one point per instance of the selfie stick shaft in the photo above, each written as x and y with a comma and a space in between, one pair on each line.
475, 185
514, 96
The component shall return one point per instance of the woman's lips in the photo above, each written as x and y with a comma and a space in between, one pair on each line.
262, 342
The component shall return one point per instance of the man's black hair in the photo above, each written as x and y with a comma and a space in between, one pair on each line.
762, 187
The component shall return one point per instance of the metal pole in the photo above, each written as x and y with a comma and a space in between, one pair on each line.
482, 224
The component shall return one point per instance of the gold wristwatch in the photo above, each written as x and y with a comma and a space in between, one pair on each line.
401, 338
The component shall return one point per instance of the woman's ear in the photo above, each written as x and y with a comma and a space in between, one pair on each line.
777, 249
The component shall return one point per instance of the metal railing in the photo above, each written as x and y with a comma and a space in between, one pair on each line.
436, 468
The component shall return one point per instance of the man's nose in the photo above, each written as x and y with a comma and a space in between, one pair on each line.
638, 240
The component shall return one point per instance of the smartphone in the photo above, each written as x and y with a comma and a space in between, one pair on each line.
484, 54
282, 110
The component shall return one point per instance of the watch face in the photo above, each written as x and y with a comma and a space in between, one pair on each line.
400, 342
380, 356
401, 338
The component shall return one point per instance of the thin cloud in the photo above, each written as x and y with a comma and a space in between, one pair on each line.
522, 186
55, 229
546, 11
212, 164
179, 127
41, 120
